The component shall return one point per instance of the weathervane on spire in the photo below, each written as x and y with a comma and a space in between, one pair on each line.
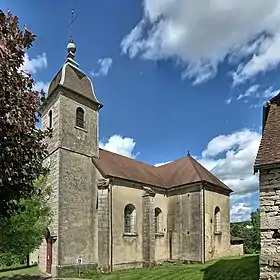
73, 17
71, 48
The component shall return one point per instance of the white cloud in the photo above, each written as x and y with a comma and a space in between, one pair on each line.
241, 212
32, 65
120, 145
41, 85
231, 158
256, 95
162, 163
249, 92
104, 65
199, 35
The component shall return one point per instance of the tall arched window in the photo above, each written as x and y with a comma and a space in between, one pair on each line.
80, 117
50, 119
129, 219
217, 220
158, 220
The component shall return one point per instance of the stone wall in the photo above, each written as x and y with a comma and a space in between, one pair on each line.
270, 224
184, 220
236, 250
216, 245
73, 180
77, 210
148, 224
161, 238
103, 222
127, 248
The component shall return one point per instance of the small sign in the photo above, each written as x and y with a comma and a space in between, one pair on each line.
79, 260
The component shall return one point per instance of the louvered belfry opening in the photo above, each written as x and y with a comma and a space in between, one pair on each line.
80, 117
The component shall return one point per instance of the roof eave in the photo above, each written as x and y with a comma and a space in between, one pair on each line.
223, 188
260, 166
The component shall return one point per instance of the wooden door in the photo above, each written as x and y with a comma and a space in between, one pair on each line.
49, 256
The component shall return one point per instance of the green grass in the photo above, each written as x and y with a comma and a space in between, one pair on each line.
22, 272
242, 268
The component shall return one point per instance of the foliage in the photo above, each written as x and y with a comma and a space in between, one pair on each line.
22, 147
250, 232
23, 232
245, 268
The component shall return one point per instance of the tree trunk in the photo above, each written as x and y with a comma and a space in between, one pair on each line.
27, 260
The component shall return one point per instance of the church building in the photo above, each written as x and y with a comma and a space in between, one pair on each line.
113, 212
267, 164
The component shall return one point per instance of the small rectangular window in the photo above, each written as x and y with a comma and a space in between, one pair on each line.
50, 119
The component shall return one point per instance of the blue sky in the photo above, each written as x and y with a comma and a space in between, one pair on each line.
173, 76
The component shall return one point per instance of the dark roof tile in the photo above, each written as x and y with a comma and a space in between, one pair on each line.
269, 149
183, 171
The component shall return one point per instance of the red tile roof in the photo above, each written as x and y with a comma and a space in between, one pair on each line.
183, 171
269, 149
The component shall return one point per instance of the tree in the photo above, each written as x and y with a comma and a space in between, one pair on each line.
22, 145
23, 232
250, 232
256, 233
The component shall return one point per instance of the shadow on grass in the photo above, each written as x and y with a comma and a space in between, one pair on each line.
25, 277
243, 268
16, 268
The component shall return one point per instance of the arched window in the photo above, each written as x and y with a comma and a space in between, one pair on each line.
50, 119
80, 117
217, 220
129, 219
158, 220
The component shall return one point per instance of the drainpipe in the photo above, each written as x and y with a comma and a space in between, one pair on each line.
170, 244
203, 209
111, 224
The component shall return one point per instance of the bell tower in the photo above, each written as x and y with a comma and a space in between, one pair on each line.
71, 110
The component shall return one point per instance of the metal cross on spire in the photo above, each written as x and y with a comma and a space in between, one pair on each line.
70, 25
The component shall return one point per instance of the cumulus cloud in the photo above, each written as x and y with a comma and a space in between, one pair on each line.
120, 145
41, 86
104, 65
230, 157
199, 35
241, 212
32, 65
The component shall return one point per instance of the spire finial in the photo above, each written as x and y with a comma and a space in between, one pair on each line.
71, 48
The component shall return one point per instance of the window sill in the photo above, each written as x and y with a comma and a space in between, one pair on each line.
218, 233
79, 128
130, 234
159, 234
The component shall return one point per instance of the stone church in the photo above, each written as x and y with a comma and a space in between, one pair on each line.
267, 163
115, 212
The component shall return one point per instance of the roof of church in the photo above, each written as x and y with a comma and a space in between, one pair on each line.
269, 150
70, 76
183, 171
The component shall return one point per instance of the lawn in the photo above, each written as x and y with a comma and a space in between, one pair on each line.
242, 268
21, 273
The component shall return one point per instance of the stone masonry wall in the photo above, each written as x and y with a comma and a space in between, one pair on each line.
103, 222
184, 218
148, 228
270, 224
